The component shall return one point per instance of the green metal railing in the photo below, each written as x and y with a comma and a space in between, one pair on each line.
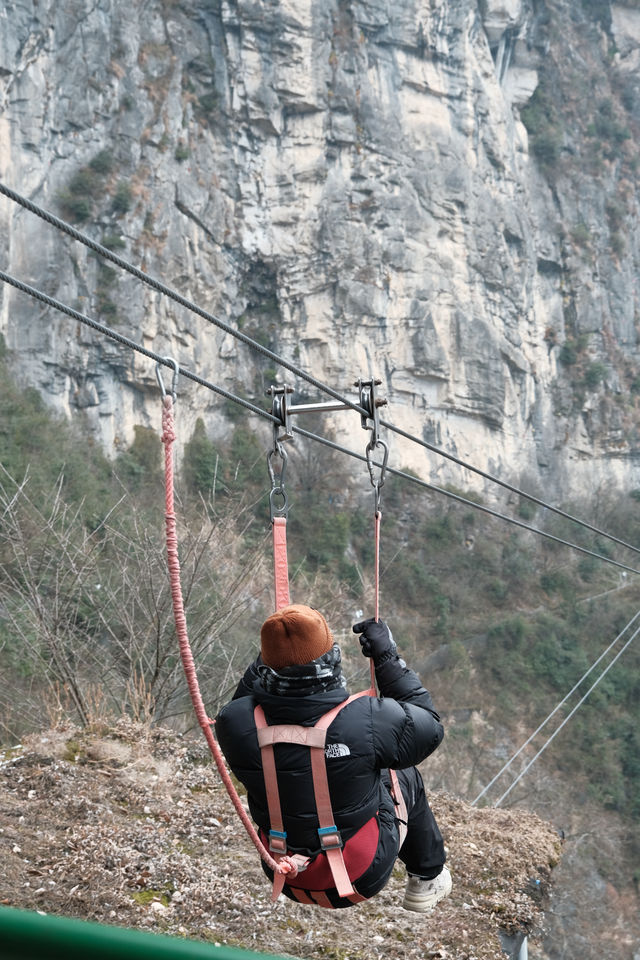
31, 936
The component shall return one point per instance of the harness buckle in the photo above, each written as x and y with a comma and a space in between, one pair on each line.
278, 841
330, 838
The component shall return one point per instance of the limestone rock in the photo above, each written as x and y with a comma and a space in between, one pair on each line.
350, 183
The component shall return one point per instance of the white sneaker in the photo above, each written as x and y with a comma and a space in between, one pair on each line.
422, 895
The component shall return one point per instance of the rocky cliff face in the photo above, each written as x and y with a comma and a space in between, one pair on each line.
352, 183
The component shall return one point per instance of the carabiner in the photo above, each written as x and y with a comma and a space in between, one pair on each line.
278, 450
378, 482
277, 482
174, 382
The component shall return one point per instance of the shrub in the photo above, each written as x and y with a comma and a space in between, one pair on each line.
107, 309
76, 209
322, 534
606, 126
440, 529
546, 145
554, 581
517, 561
568, 353
587, 567
526, 509
102, 163
598, 10
122, 198
594, 375
498, 591
208, 102
581, 234
545, 135
618, 243
85, 186
113, 241
201, 461
141, 463
247, 461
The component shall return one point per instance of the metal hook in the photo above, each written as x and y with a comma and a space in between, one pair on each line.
170, 362
371, 421
379, 482
278, 450
277, 482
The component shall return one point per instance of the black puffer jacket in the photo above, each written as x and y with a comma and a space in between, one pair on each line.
398, 729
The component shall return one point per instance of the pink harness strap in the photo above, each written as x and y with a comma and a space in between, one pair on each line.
330, 841
302, 897
290, 733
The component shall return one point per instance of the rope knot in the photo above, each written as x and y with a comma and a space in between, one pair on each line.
287, 867
168, 433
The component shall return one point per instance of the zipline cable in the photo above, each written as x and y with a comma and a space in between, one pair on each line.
568, 717
276, 358
506, 485
555, 710
126, 341
172, 294
469, 503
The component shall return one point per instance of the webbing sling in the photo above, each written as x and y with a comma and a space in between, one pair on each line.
280, 565
329, 836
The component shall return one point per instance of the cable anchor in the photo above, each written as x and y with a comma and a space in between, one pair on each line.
169, 362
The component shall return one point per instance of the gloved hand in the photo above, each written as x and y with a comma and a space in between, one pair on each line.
377, 640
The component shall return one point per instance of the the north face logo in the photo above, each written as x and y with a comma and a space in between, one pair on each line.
333, 750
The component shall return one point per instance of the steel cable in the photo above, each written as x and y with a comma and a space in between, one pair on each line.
554, 711
506, 485
568, 717
470, 503
172, 294
276, 358
126, 341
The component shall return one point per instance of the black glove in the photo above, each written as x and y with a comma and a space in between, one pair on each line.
377, 640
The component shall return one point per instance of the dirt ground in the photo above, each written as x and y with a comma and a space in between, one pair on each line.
132, 826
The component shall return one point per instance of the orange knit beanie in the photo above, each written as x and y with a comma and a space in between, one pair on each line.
294, 635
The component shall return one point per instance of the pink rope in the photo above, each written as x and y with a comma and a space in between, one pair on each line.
286, 864
376, 575
377, 518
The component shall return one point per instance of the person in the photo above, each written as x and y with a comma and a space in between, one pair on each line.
296, 679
